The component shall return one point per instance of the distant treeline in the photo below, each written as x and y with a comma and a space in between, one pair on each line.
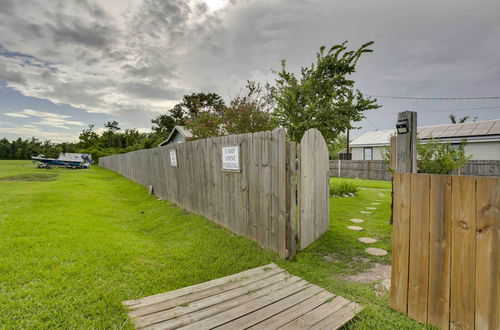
111, 141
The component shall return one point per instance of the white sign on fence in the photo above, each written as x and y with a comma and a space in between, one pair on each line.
173, 158
231, 158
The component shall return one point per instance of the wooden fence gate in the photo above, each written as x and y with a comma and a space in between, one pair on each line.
314, 188
446, 250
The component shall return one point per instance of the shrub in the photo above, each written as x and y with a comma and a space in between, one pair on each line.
342, 188
438, 157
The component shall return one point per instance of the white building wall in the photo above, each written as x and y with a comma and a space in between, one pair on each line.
483, 150
178, 138
358, 152
377, 153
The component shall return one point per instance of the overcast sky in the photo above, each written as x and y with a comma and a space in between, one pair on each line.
66, 64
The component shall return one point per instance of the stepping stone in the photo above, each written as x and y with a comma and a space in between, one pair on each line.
367, 240
357, 220
356, 228
375, 203
371, 208
383, 288
365, 212
376, 251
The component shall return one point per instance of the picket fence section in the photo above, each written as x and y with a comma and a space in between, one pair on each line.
446, 250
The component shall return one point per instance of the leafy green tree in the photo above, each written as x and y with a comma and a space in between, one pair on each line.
197, 103
251, 112
438, 157
163, 124
88, 137
112, 126
205, 125
336, 146
177, 113
200, 112
323, 97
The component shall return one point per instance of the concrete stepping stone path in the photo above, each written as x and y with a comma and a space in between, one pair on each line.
371, 208
376, 251
365, 212
357, 220
356, 228
375, 203
367, 240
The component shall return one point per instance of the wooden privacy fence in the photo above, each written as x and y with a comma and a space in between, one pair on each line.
255, 197
446, 250
360, 169
379, 169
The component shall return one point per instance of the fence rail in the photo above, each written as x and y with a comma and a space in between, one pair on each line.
446, 250
379, 169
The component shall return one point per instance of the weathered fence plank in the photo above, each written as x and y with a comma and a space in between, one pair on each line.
401, 242
418, 281
440, 251
488, 254
463, 263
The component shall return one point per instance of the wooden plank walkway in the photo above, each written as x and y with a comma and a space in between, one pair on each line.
265, 297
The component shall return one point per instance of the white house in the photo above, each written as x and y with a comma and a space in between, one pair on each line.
483, 139
178, 135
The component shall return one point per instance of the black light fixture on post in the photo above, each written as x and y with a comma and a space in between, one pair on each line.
402, 126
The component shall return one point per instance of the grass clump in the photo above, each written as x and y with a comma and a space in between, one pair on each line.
343, 189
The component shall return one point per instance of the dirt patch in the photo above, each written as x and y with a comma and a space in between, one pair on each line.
43, 177
376, 273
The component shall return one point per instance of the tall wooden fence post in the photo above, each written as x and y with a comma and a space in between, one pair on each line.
407, 143
406, 161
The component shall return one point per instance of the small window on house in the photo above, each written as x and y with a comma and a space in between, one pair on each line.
368, 153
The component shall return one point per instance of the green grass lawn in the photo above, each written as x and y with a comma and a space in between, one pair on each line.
75, 243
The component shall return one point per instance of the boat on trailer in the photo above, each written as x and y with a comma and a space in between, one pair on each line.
67, 160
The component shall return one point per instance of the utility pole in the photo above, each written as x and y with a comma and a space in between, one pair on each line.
349, 156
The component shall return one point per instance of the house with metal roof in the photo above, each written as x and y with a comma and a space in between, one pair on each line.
178, 135
482, 137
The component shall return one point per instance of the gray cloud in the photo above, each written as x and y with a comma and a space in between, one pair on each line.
134, 59
150, 90
10, 75
68, 29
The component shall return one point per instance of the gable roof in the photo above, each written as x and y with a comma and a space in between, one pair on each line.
476, 130
178, 129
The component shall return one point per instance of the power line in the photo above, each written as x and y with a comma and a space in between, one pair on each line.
376, 128
436, 98
434, 111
